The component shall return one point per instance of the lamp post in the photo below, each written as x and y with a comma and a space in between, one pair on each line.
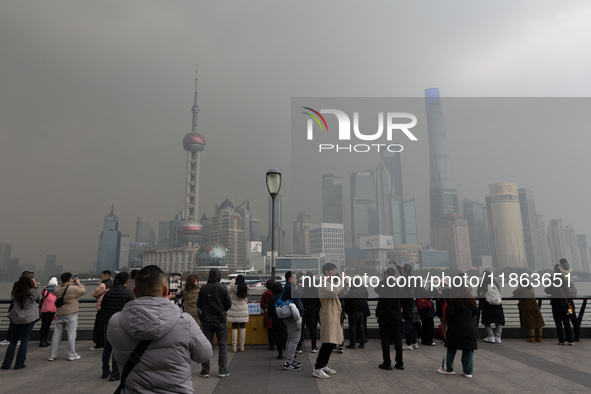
273, 185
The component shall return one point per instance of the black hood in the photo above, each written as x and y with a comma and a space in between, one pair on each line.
214, 276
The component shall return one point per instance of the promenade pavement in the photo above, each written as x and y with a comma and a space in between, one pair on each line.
514, 366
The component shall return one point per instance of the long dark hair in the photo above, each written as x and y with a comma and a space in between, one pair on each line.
462, 295
241, 288
191, 283
22, 289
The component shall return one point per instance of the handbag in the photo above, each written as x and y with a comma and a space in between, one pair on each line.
570, 309
133, 359
282, 308
60, 301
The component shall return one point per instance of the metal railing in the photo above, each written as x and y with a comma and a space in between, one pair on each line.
87, 313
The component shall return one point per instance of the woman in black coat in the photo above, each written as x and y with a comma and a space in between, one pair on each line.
490, 314
279, 328
461, 331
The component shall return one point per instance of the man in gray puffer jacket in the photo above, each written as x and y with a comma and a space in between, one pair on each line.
165, 366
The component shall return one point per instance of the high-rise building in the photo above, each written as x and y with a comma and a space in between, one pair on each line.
124, 251
301, 233
226, 228
332, 198
51, 266
328, 239
505, 226
364, 215
410, 221
251, 233
531, 231
557, 242
570, 238
109, 244
393, 163
450, 232
397, 209
584, 252
544, 242
443, 197
144, 233
383, 200
475, 214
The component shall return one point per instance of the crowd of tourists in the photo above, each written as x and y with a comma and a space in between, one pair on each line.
139, 330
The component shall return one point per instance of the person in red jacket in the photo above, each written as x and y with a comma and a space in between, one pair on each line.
267, 321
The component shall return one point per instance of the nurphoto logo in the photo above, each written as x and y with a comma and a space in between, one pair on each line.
396, 122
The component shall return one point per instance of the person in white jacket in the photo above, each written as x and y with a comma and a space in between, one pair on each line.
238, 313
176, 339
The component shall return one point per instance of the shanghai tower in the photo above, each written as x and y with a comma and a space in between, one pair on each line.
443, 197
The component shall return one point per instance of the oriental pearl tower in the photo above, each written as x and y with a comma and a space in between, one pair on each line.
190, 230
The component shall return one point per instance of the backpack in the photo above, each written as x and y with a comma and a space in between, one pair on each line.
282, 308
493, 295
424, 304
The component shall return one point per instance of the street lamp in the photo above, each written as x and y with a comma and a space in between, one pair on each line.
273, 185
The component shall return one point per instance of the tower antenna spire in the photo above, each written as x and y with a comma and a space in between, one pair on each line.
112, 206
195, 108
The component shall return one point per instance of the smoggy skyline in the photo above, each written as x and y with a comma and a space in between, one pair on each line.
96, 99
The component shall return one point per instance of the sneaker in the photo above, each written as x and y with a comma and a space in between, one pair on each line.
320, 374
51, 358
340, 350
5, 343
560, 343
385, 366
407, 347
498, 340
489, 339
314, 350
571, 344
415, 345
76, 357
443, 371
299, 351
329, 371
224, 374
297, 363
93, 348
433, 344
204, 374
351, 346
467, 375
291, 367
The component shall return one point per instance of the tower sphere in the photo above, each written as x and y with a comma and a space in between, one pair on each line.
193, 142
190, 231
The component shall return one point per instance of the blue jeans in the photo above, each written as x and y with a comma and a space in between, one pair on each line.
107, 350
20, 332
70, 324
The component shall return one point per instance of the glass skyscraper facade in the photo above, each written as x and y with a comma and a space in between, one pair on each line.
332, 198
531, 230
475, 214
364, 215
109, 244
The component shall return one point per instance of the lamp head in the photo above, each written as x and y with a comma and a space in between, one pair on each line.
273, 182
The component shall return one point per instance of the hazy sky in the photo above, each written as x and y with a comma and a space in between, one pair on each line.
95, 98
